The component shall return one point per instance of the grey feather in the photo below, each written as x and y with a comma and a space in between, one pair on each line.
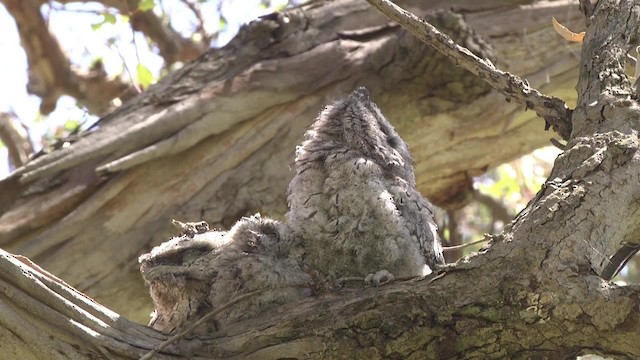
189, 277
354, 211
353, 200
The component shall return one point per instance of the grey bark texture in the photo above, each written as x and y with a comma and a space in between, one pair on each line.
213, 141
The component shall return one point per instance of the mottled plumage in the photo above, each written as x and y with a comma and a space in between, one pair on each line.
354, 212
188, 277
353, 200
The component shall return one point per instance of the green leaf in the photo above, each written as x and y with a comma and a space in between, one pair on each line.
106, 18
39, 119
96, 62
146, 5
71, 125
110, 18
145, 77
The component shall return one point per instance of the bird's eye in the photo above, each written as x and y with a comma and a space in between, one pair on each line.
393, 142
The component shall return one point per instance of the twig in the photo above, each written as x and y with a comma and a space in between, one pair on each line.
553, 110
197, 12
199, 322
458, 247
124, 63
558, 144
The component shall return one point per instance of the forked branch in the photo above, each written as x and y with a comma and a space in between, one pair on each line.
553, 110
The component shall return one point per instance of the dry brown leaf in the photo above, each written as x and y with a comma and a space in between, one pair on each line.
566, 33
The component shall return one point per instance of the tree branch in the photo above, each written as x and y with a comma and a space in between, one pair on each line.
187, 142
422, 318
553, 110
15, 137
606, 126
40, 309
171, 45
50, 72
532, 295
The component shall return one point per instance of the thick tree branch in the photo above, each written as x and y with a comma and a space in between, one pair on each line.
532, 294
47, 318
606, 125
553, 110
418, 318
50, 72
181, 149
604, 99
606, 46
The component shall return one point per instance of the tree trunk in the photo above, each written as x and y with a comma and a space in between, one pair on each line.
213, 141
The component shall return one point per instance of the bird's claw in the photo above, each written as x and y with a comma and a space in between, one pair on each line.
379, 278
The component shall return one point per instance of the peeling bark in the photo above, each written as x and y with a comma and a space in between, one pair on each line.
181, 150
213, 140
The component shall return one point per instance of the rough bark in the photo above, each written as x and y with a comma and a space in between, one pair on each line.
534, 293
213, 140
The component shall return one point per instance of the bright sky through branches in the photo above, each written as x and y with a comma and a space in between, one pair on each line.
71, 24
